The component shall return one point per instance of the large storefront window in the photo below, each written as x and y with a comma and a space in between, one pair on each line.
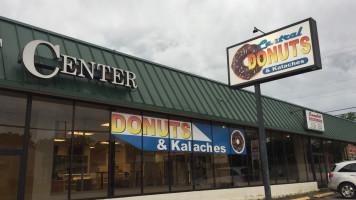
222, 168
155, 163
319, 163
49, 149
127, 162
290, 158
12, 123
301, 158
329, 154
280, 155
254, 162
272, 162
181, 166
202, 161
150, 153
9, 170
90, 151
239, 165
340, 151
12, 120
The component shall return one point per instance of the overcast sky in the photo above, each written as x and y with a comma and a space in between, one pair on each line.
193, 36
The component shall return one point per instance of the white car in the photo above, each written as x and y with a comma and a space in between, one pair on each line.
342, 178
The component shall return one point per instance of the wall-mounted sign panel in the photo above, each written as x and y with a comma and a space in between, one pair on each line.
314, 121
158, 134
285, 52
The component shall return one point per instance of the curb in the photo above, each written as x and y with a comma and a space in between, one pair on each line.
302, 198
323, 195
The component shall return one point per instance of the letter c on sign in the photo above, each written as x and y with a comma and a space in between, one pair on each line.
28, 57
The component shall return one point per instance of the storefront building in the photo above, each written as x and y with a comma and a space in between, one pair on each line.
81, 121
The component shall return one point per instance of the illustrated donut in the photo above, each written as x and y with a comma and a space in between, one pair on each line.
237, 141
238, 66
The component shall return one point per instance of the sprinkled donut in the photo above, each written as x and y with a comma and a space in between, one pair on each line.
238, 66
237, 141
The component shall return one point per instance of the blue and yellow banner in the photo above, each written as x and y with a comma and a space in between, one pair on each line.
158, 134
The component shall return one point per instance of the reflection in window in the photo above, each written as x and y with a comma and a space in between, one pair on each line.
90, 151
155, 163
239, 167
273, 167
127, 165
222, 168
181, 168
306, 142
279, 150
9, 170
12, 120
49, 149
319, 163
202, 162
290, 156
253, 150
301, 156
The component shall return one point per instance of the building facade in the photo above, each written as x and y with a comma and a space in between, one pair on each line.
99, 123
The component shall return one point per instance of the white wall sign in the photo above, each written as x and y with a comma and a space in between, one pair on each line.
285, 52
314, 121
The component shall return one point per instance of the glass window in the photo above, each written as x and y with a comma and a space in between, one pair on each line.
49, 149
329, 154
181, 173
90, 151
12, 120
292, 167
306, 142
9, 171
279, 149
239, 166
202, 155
340, 151
272, 162
155, 163
221, 147
348, 168
300, 158
254, 162
318, 158
127, 154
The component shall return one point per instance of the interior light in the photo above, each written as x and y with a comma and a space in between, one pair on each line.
92, 147
108, 142
105, 124
287, 136
80, 133
59, 140
104, 142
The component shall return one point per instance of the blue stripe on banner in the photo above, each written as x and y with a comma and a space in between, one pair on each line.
284, 66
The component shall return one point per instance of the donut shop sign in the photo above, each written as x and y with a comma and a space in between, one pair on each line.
288, 51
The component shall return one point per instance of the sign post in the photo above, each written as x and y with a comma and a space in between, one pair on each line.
285, 52
262, 138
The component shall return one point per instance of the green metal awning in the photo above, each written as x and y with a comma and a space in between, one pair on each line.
160, 88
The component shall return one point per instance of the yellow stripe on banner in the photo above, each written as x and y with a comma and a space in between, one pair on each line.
302, 198
323, 195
